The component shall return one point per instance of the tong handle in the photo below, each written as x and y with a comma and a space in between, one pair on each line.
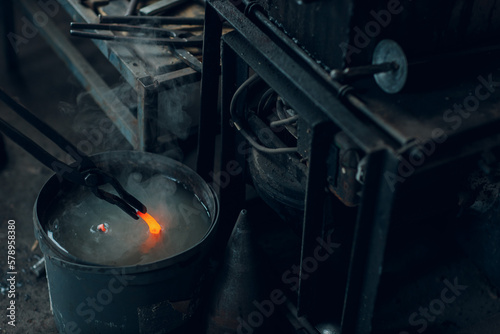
34, 149
128, 203
60, 168
86, 174
40, 154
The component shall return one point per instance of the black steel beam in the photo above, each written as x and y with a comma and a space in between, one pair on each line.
231, 177
296, 83
320, 107
313, 222
370, 239
209, 117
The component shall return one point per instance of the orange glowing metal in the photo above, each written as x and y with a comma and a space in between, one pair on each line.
101, 227
154, 227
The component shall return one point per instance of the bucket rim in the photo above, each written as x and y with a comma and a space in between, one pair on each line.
72, 262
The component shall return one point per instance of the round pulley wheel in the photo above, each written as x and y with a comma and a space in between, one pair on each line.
388, 51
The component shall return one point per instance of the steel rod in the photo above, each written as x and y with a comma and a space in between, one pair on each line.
285, 121
361, 71
153, 20
160, 7
157, 32
139, 40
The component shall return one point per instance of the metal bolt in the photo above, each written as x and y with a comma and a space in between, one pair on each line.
363, 71
417, 154
39, 268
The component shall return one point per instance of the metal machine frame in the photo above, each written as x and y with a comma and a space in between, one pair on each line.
303, 91
140, 131
327, 107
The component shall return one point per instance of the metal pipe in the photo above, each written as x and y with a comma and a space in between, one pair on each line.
140, 40
238, 124
284, 121
156, 32
153, 20
361, 71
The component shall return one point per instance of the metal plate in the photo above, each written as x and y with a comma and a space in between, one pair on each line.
388, 51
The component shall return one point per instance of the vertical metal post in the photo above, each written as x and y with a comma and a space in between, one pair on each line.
147, 114
209, 118
370, 239
322, 138
230, 179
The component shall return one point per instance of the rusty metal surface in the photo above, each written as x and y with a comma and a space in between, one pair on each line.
339, 32
342, 169
154, 60
119, 55
444, 108
88, 77
132, 63
319, 26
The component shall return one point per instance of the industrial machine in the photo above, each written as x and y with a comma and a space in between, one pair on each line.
355, 144
372, 125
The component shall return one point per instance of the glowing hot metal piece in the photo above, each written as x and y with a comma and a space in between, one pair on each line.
101, 228
154, 227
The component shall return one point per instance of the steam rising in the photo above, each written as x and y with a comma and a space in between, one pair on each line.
176, 119
74, 219
173, 115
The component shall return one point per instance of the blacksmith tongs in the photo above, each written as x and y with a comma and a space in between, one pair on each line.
83, 172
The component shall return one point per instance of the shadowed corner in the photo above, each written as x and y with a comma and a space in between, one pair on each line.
237, 285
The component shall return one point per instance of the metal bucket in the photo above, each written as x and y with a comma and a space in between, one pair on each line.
160, 297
